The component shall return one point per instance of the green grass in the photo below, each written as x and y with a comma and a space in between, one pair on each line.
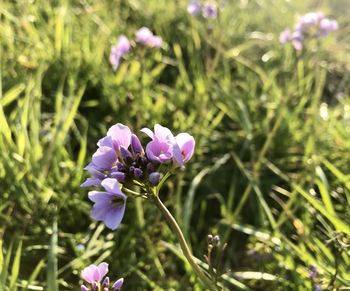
270, 172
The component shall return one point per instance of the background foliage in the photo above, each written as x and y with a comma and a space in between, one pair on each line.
270, 174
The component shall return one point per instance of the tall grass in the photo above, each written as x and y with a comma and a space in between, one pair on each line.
270, 173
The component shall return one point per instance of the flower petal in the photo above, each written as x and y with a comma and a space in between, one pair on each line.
162, 133
114, 217
111, 185
100, 197
103, 268
105, 142
104, 157
148, 132
88, 273
91, 182
120, 134
187, 144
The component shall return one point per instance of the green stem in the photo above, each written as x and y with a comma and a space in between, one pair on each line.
185, 249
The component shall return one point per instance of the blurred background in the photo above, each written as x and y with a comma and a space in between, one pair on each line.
270, 173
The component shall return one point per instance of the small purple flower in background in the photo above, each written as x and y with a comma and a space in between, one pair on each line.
313, 272
110, 205
310, 25
118, 51
143, 35
147, 38
309, 19
209, 10
93, 275
285, 36
297, 40
194, 8
327, 26
155, 42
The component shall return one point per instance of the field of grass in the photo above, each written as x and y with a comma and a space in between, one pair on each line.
270, 174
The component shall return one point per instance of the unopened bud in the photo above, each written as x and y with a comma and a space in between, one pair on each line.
150, 167
120, 166
126, 155
138, 173
136, 144
154, 178
94, 286
105, 283
120, 176
118, 284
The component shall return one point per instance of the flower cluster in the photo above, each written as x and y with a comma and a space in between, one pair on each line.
312, 24
121, 162
208, 9
143, 36
93, 276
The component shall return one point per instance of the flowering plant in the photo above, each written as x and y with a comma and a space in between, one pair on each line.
123, 46
121, 162
312, 24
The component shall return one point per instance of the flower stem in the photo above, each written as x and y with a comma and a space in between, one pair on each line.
185, 249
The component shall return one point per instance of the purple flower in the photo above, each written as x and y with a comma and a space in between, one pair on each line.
146, 37
121, 48
313, 271
109, 206
84, 288
209, 10
186, 144
160, 151
164, 146
310, 19
312, 24
114, 59
194, 7
118, 284
297, 40
123, 45
143, 35
94, 274
285, 36
327, 25
155, 41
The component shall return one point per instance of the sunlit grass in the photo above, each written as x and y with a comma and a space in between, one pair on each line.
270, 172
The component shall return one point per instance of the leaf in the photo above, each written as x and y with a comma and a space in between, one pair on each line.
12, 94
15, 267
6, 265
